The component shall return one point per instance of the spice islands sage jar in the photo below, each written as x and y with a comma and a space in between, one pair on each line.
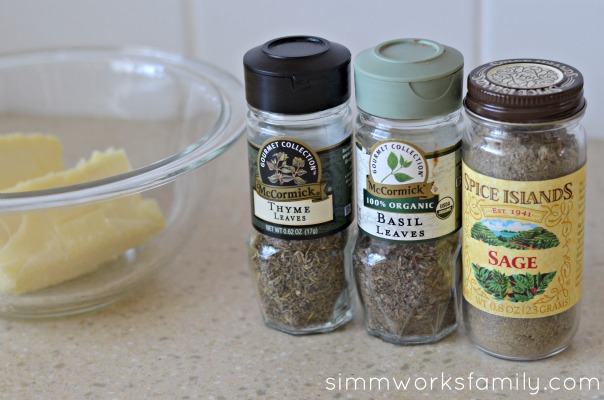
408, 148
301, 180
524, 159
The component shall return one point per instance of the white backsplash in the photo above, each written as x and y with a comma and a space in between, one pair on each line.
220, 32
568, 32
35, 24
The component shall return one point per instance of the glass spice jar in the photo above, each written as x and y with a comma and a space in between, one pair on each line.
524, 162
408, 149
301, 181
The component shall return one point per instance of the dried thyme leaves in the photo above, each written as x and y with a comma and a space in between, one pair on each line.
406, 288
525, 154
300, 282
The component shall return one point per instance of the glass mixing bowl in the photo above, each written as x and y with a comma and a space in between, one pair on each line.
171, 115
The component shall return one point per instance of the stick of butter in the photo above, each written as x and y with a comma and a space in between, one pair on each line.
24, 157
43, 248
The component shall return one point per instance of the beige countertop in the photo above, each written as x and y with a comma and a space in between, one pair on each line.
195, 332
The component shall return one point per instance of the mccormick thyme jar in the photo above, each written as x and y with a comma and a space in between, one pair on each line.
524, 158
408, 148
301, 181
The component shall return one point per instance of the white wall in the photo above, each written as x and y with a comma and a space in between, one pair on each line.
220, 31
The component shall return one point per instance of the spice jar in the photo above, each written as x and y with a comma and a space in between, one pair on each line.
301, 180
408, 149
524, 158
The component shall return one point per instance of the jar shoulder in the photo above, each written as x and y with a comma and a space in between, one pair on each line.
318, 130
429, 134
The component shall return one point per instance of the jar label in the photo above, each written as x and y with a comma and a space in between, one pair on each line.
299, 192
407, 195
523, 244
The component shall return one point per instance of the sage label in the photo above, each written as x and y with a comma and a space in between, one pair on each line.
523, 244
298, 192
408, 195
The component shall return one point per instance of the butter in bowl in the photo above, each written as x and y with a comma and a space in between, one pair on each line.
96, 146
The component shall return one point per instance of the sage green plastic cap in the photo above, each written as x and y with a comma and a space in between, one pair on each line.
408, 79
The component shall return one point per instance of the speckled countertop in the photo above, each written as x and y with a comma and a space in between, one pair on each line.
194, 332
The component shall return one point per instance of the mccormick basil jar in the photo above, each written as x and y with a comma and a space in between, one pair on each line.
524, 161
408, 157
301, 182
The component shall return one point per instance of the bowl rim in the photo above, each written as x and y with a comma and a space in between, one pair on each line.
229, 126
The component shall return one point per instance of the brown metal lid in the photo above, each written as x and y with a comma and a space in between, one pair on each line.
525, 91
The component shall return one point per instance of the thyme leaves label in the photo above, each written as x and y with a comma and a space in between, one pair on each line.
517, 288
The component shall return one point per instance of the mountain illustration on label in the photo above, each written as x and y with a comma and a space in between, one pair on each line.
516, 288
513, 235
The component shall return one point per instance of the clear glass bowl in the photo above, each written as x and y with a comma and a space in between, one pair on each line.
169, 113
